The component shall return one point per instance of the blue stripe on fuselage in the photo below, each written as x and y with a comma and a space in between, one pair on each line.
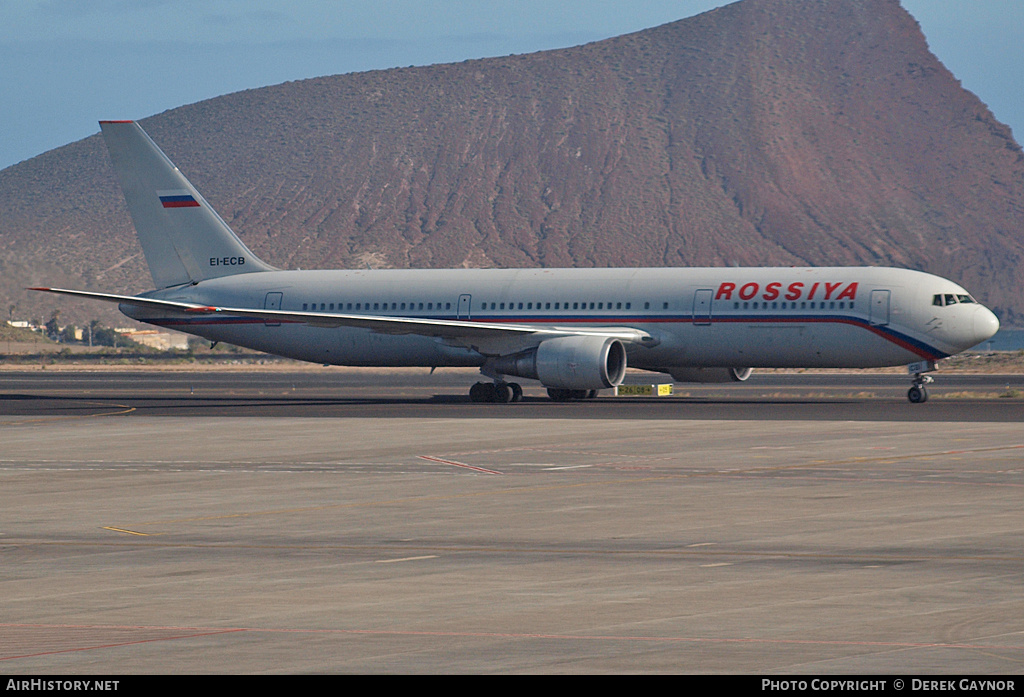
909, 343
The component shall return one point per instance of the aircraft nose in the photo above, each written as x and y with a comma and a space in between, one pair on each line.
985, 325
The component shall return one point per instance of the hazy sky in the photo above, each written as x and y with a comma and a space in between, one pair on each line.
65, 64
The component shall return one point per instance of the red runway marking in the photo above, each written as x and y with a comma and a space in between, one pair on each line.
457, 464
210, 631
194, 634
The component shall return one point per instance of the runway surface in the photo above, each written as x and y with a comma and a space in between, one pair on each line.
319, 522
408, 393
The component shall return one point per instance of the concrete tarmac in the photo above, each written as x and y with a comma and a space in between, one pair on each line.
403, 529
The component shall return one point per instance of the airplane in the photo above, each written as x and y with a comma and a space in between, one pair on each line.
573, 330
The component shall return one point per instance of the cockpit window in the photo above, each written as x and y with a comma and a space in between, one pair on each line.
944, 299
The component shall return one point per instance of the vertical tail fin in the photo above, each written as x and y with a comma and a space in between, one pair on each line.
183, 238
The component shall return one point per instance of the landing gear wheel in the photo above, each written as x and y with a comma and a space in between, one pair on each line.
501, 393
558, 394
498, 392
917, 394
481, 392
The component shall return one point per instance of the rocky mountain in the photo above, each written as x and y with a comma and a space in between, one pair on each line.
766, 132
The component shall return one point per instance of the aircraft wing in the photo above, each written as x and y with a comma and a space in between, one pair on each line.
459, 332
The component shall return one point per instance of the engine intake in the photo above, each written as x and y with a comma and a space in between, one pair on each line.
570, 362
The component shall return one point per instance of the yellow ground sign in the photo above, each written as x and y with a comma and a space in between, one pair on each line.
663, 390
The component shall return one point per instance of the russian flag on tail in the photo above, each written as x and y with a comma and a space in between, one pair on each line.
180, 198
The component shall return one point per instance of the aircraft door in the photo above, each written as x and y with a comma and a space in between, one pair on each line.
464, 305
272, 302
702, 306
879, 311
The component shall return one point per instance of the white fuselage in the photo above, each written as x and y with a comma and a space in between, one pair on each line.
696, 317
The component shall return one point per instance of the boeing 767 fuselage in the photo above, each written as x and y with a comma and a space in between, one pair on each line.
573, 330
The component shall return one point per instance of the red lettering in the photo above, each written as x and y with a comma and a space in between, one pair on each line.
830, 288
771, 291
748, 291
849, 292
810, 296
794, 291
725, 291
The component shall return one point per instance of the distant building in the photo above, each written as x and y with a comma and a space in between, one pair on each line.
162, 341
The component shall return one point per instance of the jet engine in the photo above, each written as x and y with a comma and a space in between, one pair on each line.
710, 374
568, 362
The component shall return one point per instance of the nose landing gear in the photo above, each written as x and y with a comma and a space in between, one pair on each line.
918, 393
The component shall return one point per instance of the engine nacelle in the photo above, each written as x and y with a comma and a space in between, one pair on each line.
710, 374
569, 362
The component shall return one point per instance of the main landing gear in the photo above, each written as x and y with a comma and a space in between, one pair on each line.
919, 393
558, 394
499, 392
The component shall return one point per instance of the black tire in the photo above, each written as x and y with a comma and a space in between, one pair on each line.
917, 395
501, 393
558, 394
481, 392
517, 392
